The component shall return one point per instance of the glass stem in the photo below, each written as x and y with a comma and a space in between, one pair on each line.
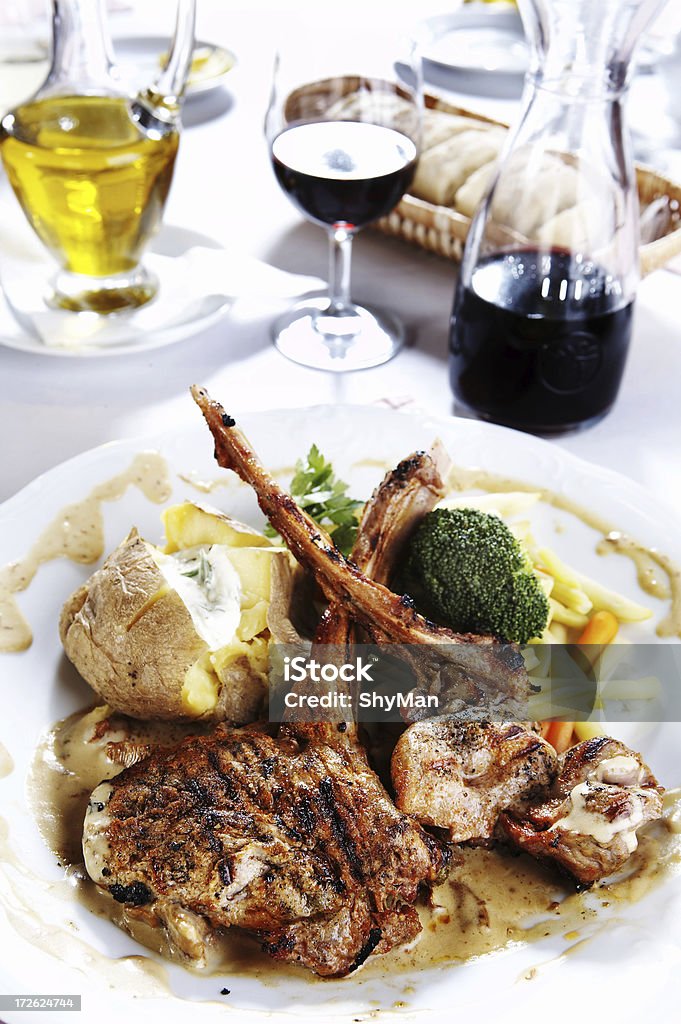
340, 253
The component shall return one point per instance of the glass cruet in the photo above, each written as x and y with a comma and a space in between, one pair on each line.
91, 163
543, 308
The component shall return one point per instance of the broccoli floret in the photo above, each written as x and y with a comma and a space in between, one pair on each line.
466, 570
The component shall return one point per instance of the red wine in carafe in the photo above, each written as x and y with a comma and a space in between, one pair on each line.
539, 340
344, 172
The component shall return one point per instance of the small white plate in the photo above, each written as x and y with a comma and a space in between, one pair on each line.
191, 296
138, 58
478, 49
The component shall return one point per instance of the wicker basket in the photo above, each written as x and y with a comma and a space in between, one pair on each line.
443, 230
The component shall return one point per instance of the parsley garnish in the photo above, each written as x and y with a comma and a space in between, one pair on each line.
201, 570
324, 497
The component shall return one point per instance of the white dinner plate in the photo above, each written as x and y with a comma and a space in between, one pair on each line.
479, 49
626, 962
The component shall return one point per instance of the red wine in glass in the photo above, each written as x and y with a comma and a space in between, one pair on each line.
539, 340
343, 172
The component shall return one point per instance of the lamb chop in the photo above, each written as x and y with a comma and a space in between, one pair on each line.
487, 661
588, 820
459, 775
397, 505
297, 842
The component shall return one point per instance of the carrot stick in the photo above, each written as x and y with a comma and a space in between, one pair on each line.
601, 629
560, 735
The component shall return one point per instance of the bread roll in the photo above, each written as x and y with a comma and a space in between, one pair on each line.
528, 196
471, 193
443, 169
579, 227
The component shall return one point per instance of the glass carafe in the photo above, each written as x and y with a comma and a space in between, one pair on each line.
91, 164
544, 304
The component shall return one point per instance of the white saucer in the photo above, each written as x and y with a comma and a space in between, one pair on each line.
138, 59
478, 49
192, 295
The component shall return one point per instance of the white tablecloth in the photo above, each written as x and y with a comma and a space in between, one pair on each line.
52, 409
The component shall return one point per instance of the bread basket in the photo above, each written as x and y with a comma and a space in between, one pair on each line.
443, 230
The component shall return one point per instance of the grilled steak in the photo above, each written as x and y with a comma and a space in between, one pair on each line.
459, 776
587, 822
295, 841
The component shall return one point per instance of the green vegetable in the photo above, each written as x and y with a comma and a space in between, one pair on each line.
324, 497
201, 570
466, 570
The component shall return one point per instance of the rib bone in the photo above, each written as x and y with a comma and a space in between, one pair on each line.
368, 602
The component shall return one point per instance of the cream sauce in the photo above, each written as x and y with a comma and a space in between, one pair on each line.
657, 574
580, 818
648, 563
6, 762
490, 900
20, 897
369, 463
621, 770
77, 533
204, 486
672, 805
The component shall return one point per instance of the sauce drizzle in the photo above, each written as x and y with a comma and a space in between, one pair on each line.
77, 533
203, 486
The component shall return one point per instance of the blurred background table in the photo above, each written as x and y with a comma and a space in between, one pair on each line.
54, 408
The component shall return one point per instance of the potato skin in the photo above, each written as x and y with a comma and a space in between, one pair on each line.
131, 646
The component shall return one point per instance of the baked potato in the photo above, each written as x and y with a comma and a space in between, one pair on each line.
182, 632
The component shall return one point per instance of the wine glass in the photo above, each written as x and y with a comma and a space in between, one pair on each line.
344, 135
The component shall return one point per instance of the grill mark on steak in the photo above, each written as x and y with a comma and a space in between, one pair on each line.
134, 895
229, 790
367, 949
304, 812
339, 828
282, 945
